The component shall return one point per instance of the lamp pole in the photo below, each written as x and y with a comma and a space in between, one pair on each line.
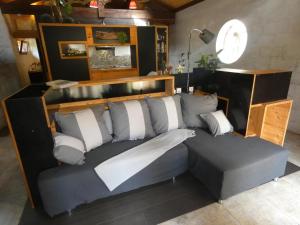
188, 57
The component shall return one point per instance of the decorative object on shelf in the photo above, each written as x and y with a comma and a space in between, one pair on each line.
122, 37
60, 84
132, 4
35, 67
102, 35
209, 62
169, 69
181, 63
206, 36
109, 35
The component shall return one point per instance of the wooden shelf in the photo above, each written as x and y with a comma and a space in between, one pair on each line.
109, 44
269, 120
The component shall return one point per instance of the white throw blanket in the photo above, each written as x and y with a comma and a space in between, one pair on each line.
113, 172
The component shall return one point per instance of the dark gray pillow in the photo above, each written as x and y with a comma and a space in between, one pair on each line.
165, 113
87, 125
131, 120
217, 123
68, 149
193, 106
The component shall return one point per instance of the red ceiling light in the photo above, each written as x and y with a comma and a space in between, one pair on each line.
93, 4
132, 4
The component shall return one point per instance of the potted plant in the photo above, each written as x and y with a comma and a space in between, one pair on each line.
208, 62
204, 73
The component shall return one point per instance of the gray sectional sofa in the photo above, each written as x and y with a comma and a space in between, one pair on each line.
227, 165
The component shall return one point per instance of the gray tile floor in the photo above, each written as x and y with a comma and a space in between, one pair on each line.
270, 204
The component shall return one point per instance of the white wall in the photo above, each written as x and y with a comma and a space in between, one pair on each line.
9, 80
24, 61
274, 37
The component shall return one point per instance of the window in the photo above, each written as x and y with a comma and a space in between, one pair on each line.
231, 41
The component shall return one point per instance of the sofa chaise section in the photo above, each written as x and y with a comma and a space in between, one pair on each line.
65, 187
230, 164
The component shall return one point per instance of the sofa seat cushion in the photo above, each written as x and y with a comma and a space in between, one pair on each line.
230, 163
65, 187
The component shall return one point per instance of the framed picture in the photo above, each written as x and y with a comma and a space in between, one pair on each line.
71, 50
23, 47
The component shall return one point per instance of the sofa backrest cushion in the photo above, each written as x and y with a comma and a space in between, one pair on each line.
217, 123
193, 106
87, 125
165, 113
131, 120
108, 121
68, 149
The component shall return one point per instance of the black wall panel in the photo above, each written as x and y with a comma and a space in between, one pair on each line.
147, 49
271, 87
67, 69
33, 137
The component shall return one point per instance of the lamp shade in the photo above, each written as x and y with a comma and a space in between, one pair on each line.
93, 4
206, 36
132, 4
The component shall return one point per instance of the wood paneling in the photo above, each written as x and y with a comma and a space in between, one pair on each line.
113, 74
275, 121
175, 4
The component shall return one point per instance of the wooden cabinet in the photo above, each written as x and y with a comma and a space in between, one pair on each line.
147, 50
257, 100
72, 51
162, 47
29, 128
79, 52
270, 120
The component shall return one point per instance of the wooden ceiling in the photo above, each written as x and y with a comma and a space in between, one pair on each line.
162, 11
177, 5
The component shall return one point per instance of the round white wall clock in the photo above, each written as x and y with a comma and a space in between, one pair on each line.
231, 41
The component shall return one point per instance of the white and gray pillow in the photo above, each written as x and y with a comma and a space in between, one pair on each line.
165, 113
217, 123
131, 120
87, 125
193, 106
68, 149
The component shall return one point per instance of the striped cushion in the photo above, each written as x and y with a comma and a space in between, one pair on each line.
68, 149
131, 120
87, 125
165, 113
217, 123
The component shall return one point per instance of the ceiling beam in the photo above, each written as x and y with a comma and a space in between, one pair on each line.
91, 15
27, 9
194, 2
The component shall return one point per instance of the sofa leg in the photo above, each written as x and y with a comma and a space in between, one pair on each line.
173, 180
70, 212
220, 202
276, 179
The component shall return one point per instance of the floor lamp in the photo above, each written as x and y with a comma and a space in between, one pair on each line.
206, 36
